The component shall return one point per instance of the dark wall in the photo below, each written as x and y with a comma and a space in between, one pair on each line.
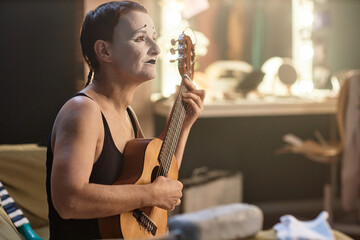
336, 35
39, 65
248, 144
344, 35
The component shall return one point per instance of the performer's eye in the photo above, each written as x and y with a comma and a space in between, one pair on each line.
140, 39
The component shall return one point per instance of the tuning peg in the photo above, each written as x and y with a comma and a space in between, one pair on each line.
180, 49
173, 41
177, 59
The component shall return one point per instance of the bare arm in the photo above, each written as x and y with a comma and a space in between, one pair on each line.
77, 137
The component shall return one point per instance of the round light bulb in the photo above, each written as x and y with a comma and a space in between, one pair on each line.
306, 18
306, 52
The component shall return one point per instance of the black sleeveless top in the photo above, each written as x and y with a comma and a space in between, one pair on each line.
106, 170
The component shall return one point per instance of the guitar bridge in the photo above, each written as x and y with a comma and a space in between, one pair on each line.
145, 221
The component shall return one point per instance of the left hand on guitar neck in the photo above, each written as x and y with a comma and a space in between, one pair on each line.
194, 99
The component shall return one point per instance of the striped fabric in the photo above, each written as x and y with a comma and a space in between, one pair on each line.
10, 207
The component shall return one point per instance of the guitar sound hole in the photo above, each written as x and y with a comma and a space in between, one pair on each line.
154, 173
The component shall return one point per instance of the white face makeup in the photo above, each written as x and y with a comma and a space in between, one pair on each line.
134, 49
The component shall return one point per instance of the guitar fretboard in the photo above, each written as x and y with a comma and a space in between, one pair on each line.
172, 135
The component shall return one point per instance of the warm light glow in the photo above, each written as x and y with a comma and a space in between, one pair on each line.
306, 86
172, 25
176, 5
306, 52
302, 88
306, 18
272, 65
171, 57
271, 83
173, 18
303, 51
173, 13
335, 84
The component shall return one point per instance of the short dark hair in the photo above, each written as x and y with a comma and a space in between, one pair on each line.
100, 24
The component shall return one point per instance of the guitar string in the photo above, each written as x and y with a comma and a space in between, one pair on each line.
175, 135
167, 140
164, 156
171, 150
182, 111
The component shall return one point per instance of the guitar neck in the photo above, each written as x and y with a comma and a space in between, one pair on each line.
172, 135
186, 60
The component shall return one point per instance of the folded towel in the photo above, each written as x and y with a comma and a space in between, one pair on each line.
291, 228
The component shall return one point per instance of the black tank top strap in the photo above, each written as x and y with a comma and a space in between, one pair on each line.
106, 125
133, 122
82, 94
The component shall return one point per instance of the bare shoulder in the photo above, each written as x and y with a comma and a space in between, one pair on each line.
76, 117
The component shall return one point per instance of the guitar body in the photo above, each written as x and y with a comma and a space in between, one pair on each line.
140, 167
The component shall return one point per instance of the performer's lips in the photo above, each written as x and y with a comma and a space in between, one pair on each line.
151, 61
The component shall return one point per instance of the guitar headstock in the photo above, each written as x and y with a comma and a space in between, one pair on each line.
186, 55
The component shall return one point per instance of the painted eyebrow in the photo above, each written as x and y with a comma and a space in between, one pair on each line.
143, 30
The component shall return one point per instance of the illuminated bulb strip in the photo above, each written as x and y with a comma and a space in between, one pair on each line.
303, 51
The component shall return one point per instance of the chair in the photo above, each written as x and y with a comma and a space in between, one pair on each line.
22, 172
16, 216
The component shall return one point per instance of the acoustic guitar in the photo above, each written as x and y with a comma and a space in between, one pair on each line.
146, 159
